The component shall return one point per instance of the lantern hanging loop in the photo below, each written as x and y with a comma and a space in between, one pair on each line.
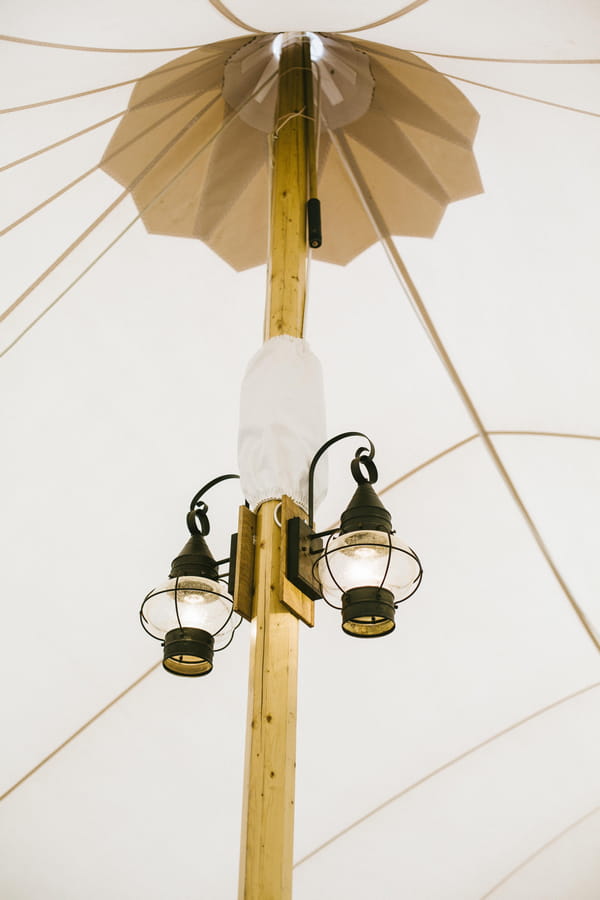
363, 456
197, 518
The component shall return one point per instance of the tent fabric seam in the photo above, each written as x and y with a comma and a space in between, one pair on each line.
388, 487
489, 87
418, 305
398, 796
227, 121
34, 43
495, 59
492, 432
536, 853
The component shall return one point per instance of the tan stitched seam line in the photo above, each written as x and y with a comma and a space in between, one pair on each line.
443, 768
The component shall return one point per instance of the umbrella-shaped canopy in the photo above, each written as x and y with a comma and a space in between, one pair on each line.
409, 127
455, 758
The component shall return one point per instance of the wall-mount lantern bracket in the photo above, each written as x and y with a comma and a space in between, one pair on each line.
241, 563
363, 456
195, 558
197, 518
302, 547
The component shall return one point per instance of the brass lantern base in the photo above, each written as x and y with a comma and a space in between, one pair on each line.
188, 651
368, 612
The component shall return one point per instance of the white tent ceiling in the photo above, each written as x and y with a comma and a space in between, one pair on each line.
122, 400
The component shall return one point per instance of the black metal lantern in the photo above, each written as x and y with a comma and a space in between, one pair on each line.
192, 612
362, 569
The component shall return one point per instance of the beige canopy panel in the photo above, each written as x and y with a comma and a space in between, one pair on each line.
409, 129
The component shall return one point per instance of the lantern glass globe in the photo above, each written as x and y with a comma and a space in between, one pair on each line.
360, 559
189, 601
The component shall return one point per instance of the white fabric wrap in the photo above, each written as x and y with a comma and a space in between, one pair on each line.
282, 423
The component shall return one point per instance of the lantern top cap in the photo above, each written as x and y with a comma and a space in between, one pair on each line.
365, 512
195, 558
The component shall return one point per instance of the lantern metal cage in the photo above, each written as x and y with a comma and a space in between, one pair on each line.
363, 569
367, 609
192, 613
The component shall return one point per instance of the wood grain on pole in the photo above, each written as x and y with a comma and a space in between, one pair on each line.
286, 277
268, 815
268, 811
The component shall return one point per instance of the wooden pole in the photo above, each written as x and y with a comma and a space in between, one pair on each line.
286, 276
268, 810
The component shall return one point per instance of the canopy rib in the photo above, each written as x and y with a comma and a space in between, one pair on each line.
416, 301
489, 87
226, 122
428, 462
71, 137
415, 784
107, 87
231, 17
106, 158
467, 440
559, 434
111, 206
59, 143
443, 768
532, 856
75, 281
77, 96
385, 20
506, 59
33, 43
80, 730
